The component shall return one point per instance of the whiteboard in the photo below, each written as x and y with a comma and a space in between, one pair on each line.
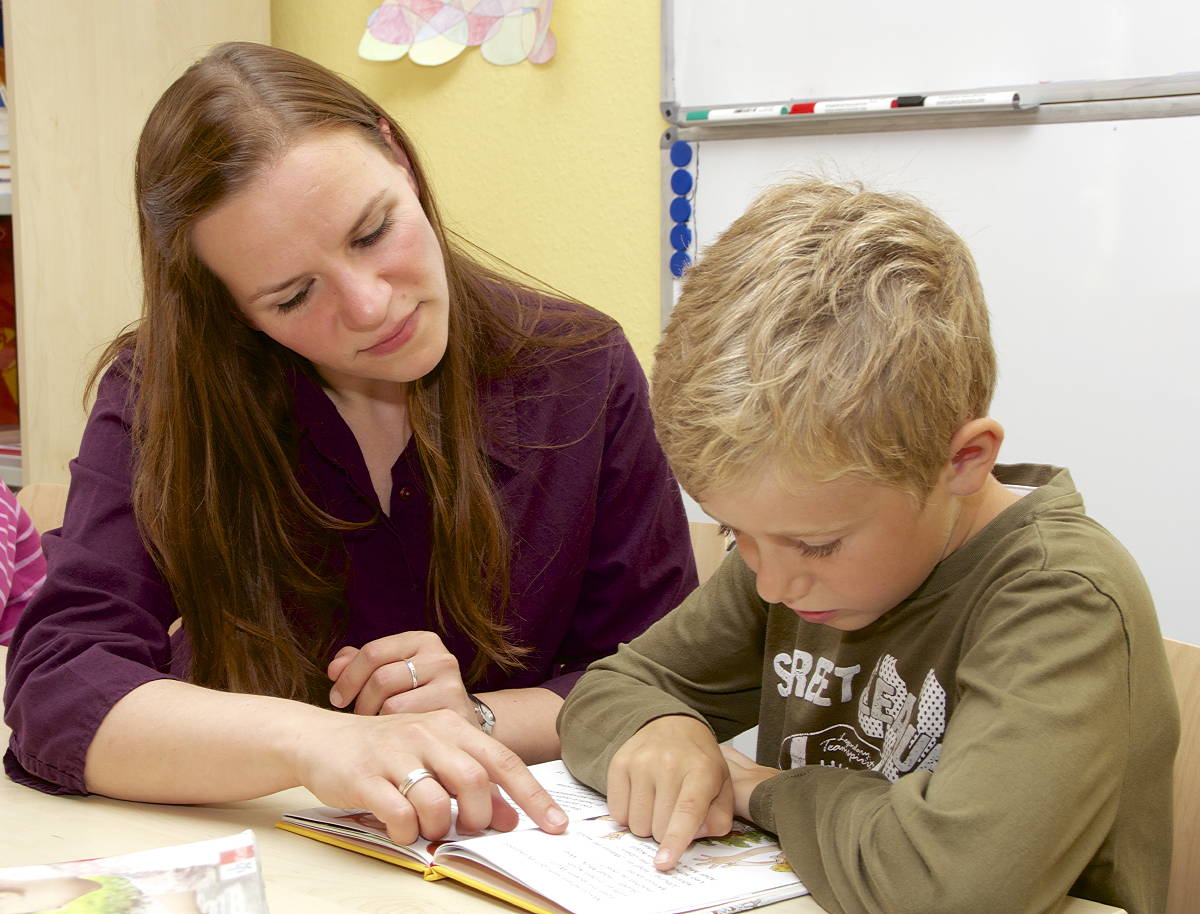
723, 52
1085, 235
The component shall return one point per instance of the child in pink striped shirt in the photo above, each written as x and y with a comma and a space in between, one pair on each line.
22, 564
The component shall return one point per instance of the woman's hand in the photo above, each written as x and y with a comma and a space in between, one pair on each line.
670, 780
364, 763
404, 673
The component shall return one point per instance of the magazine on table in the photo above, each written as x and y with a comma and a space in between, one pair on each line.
218, 876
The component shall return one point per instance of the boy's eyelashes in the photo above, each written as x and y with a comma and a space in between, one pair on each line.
808, 550
818, 552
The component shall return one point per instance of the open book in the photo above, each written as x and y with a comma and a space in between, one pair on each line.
219, 876
596, 867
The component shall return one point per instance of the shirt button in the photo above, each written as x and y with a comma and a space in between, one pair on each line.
404, 493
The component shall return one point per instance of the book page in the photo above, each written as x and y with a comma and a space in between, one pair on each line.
359, 826
220, 876
577, 801
355, 829
598, 867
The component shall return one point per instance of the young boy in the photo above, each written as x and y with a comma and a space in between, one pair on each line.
961, 690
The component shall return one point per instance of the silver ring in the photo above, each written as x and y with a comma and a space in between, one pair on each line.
412, 671
410, 779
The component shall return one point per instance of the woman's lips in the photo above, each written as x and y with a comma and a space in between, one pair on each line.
400, 336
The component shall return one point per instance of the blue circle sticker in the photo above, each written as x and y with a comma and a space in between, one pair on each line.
679, 262
681, 181
681, 210
681, 153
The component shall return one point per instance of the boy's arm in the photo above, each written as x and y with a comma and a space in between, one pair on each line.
1034, 763
703, 660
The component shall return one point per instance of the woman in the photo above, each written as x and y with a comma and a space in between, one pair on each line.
364, 470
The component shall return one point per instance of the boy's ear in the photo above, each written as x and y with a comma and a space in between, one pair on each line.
974, 450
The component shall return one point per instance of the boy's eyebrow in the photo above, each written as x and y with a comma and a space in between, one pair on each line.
354, 230
810, 534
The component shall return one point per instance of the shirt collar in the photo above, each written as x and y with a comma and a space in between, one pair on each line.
317, 417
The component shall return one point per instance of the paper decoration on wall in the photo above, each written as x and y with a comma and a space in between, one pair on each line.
432, 32
683, 185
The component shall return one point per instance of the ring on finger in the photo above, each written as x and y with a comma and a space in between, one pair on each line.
412, 671
411, 779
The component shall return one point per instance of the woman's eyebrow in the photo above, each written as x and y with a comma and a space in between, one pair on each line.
365, 214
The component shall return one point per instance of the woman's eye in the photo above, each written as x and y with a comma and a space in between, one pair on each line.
367, 240
295, 301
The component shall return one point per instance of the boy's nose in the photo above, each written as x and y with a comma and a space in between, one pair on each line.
777, 582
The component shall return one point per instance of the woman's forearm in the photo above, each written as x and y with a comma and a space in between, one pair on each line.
172, 742
525, 721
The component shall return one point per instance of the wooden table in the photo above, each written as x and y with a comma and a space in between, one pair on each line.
302, 876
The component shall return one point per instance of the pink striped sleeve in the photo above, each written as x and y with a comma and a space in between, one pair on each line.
22, 564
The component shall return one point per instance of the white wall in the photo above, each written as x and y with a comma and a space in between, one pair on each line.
1085, 239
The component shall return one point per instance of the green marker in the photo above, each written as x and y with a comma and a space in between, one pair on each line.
730, 114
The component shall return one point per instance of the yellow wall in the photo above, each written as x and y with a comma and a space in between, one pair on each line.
552, 167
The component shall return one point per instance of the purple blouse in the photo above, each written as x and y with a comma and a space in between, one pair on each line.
601, 550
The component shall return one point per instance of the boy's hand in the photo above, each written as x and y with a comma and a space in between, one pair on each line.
746, 775
670, 780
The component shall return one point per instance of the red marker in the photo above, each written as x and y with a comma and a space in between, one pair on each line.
845, 105
858, 105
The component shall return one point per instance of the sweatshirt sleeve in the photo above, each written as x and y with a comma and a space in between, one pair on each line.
98, 627
1026, 788
22, 564
704, 660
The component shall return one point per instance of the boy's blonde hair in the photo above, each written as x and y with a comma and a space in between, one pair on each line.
828, 331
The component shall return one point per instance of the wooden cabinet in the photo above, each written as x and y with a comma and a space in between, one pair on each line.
82, 77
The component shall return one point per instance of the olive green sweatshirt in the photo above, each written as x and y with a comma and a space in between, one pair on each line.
1002, 738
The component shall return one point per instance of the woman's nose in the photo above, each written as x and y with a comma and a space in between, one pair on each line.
364, 300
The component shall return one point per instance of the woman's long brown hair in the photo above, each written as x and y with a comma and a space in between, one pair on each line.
252, 561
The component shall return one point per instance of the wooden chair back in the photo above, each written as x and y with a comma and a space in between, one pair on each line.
1184, 894
708, 545
45, 503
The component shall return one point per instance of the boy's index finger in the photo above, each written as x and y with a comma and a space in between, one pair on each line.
686, 818
680, 833
692, 805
